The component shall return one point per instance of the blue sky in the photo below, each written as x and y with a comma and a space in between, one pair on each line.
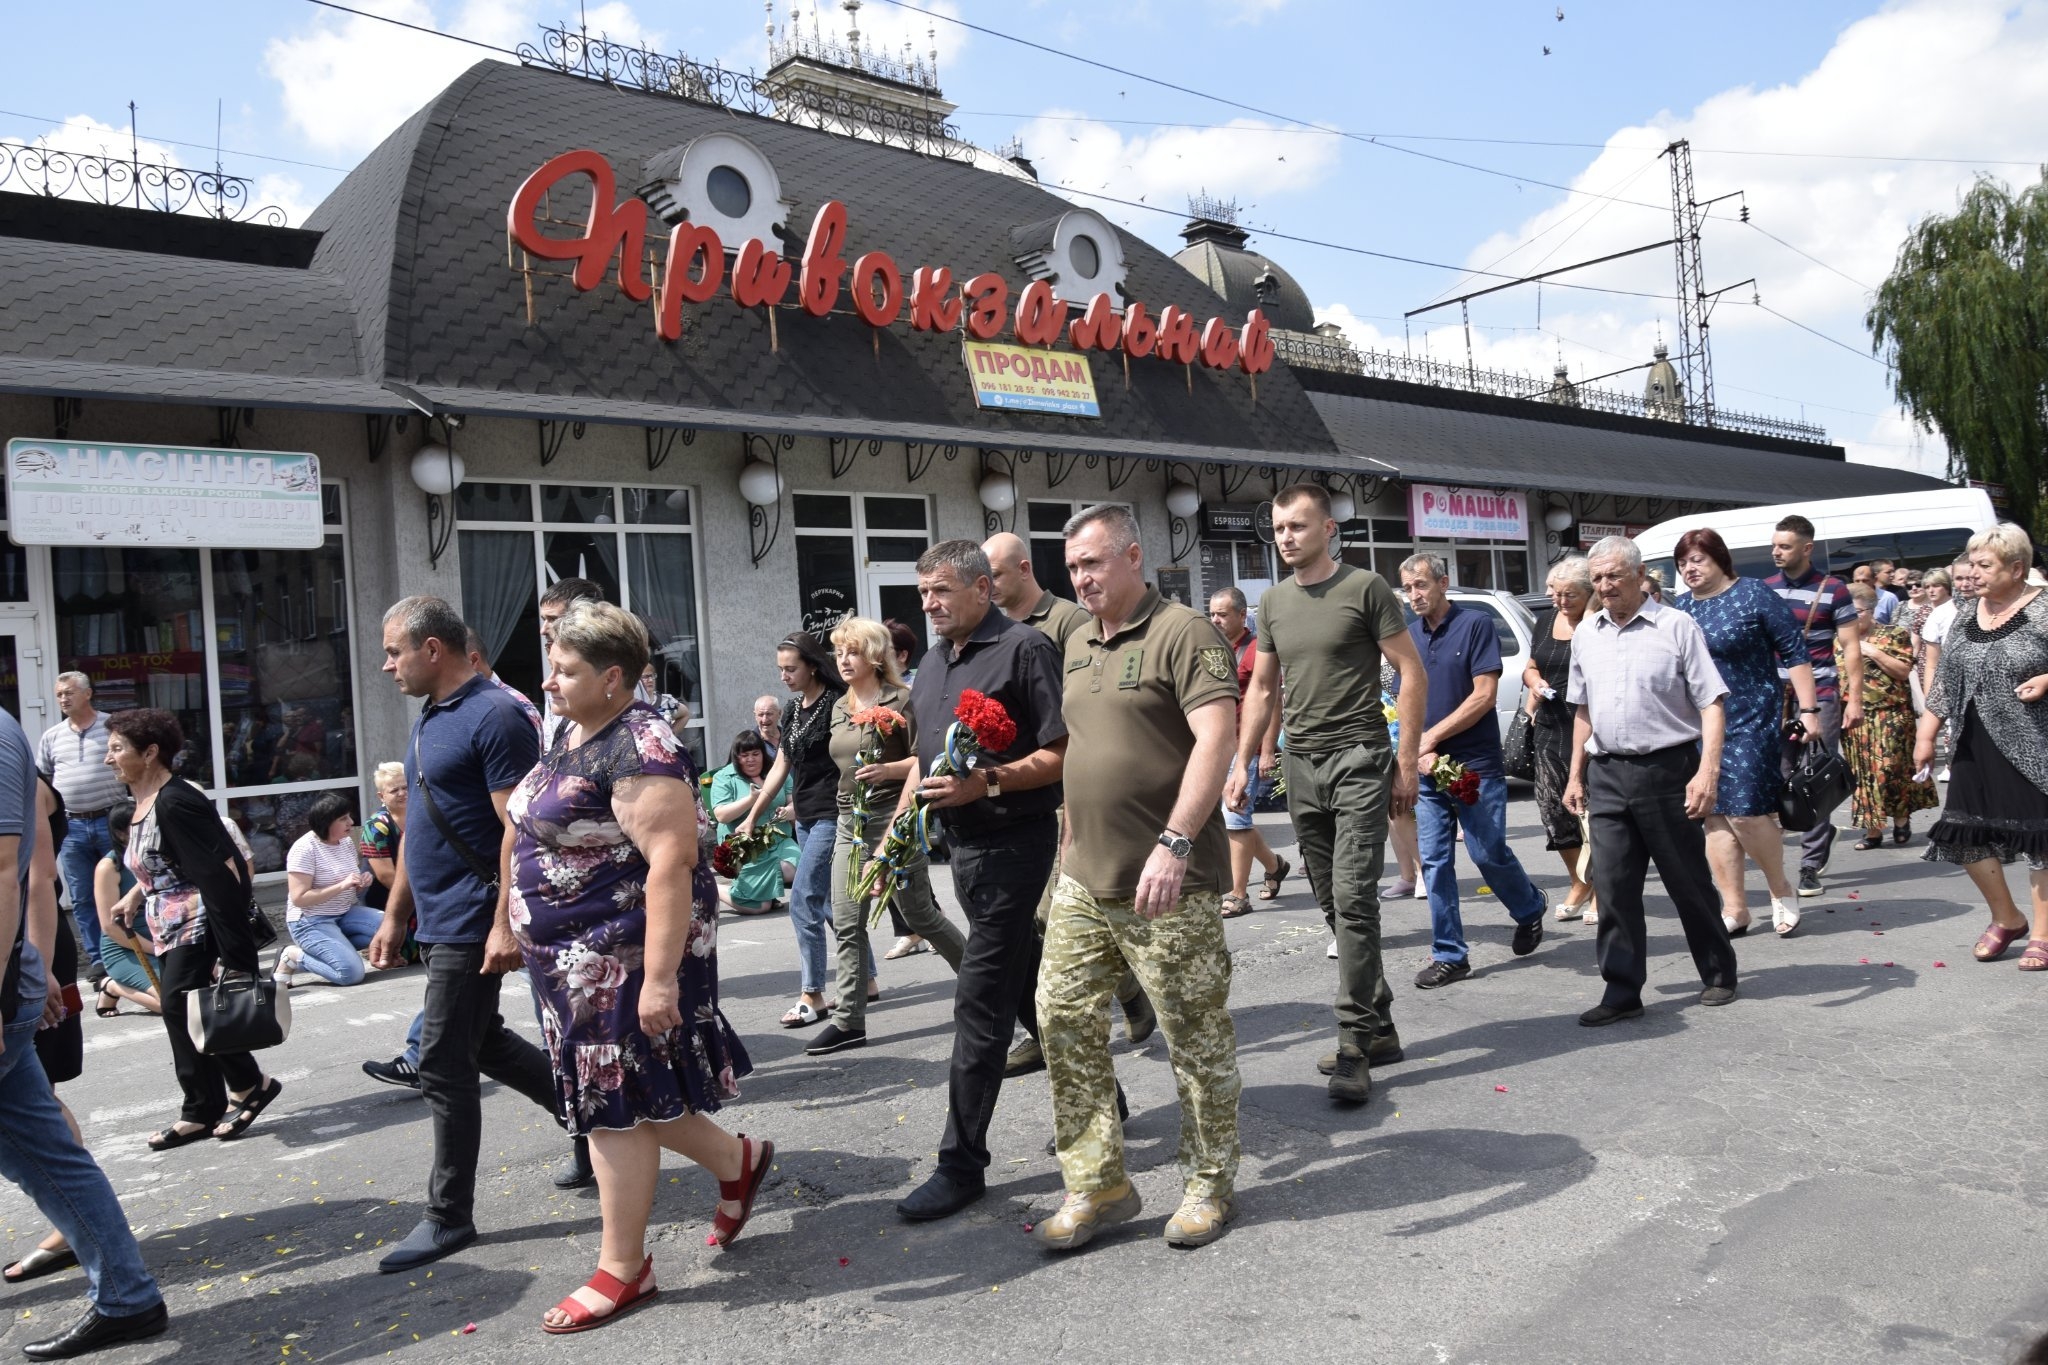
1749, 83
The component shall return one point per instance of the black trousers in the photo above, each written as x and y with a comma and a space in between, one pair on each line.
1636, 806
204, 1079
462, 1039
997, 878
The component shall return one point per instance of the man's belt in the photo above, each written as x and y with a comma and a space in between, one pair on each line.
87, 814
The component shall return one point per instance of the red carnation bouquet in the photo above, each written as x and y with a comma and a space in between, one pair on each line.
732, 854
876, 723
980, 726
1453, 778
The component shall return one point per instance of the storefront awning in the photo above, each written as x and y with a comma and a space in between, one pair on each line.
1486, 444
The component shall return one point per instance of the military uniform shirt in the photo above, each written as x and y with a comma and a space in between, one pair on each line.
1127, 701
1059, 619
1328, 638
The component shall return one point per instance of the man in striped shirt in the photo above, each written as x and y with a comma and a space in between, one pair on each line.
73, 758
1821, 605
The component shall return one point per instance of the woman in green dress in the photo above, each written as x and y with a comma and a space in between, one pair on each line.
758, 888
1880, 750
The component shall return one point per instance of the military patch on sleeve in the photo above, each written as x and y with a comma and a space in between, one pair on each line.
1216, 660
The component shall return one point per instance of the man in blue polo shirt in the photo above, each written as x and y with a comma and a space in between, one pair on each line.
471, 745
1461, 658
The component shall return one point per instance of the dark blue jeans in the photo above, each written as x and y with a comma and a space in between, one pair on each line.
997, 879
40, 1157
86, 842
1437, 818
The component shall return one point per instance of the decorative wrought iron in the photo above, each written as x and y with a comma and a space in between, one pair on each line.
595, 57
552, 434
130, 182
845, 450
230, 421
662, 440
761, 535
1003, 462
1335, 354
1120, 471
918, 457
67, 411
1059, 464
793, 45
377, 433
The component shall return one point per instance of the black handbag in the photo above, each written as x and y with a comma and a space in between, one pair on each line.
239, 1014
1518, 750
1819, 782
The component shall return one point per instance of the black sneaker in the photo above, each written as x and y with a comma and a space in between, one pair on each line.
833, 1038
1809, 882
1351, 1082
397, 1071
1382, 1052
1434, 975
1527, 936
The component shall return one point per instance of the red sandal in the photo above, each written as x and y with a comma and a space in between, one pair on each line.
725, 1229
2035, 957
1991, 945
625, 1298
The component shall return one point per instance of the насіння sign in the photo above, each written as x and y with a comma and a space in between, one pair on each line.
93, 493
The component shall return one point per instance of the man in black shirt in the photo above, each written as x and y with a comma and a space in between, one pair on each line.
999, 819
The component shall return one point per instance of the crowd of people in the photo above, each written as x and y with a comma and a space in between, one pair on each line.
1088, 772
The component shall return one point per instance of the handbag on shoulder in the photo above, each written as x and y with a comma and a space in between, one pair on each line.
239, 1013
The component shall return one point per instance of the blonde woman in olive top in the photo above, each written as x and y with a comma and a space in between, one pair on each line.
1327, 627
867, 661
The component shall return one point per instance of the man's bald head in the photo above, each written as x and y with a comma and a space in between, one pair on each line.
1014, 587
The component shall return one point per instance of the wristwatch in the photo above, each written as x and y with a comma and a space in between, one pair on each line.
988, 775
1179, 845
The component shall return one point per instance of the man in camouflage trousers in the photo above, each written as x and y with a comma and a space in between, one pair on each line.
1150, 704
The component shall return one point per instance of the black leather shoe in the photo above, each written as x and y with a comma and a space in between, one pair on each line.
1607, 1014
1381, 1052
577, 1173
939, 1197
1718, 995
1139, 1018
1438, 974
1528, 935
96, 1332
833, 1038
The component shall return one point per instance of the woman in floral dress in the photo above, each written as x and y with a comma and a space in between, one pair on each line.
617, 918
1880, 751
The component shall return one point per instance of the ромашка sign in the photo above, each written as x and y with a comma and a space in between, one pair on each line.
82, 493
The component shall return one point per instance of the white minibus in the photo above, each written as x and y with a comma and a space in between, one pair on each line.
1922, 530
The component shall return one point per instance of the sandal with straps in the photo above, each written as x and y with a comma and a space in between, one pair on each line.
756, 1160
1270, 888
2035, 957
250, 1108
624, 1298
1993, 942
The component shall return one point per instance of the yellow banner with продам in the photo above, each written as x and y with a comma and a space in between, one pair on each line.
1025, 379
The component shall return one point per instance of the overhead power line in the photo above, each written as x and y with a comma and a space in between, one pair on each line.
200, 146
416, 28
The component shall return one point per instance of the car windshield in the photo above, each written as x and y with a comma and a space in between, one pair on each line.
1496, 609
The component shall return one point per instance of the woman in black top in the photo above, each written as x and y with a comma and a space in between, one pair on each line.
1570, 585
806, 756
194, 890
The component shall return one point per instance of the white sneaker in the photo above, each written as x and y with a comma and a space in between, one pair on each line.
289, 961
1333, 949
1943, 777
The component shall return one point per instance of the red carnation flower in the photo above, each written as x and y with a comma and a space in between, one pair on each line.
985, 717
725, 860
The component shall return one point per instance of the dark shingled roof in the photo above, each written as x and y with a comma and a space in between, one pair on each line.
418, 234
1513, 443
87, 320
1234, 273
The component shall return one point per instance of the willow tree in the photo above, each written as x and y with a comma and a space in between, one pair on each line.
1963, 321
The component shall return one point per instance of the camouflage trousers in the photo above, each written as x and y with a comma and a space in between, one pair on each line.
1182, 962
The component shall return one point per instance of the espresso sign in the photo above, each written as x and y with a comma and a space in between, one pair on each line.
82, 493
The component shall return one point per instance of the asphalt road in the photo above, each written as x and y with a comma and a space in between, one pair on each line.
1843, 1166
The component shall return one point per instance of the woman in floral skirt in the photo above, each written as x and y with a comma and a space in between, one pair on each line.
1880, 750
617, 918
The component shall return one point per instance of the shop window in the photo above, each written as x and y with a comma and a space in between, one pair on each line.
636, 543
287, 697
132, 620
1475, 568
858, 555
1048, 541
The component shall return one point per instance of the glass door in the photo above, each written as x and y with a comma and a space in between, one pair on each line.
22, 692
892, 596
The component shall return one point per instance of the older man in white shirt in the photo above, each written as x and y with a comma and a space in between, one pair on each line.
1646, 757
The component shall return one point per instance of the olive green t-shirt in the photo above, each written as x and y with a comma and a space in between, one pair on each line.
1328, 639
847, 738
1059, 619
1126, 704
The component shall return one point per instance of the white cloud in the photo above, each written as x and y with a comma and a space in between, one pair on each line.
1244, 158
1907, 82
1249, 11
347, 81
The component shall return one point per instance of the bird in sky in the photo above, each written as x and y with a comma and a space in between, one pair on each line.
1560, 14
1546, 52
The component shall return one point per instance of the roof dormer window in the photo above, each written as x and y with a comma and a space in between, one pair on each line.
723, 182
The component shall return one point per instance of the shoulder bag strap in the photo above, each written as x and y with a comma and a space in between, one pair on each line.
481, 870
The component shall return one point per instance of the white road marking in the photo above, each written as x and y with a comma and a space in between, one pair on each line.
320, 1150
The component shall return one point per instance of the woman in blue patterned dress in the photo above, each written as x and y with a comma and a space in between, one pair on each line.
617, 918
1751, 634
